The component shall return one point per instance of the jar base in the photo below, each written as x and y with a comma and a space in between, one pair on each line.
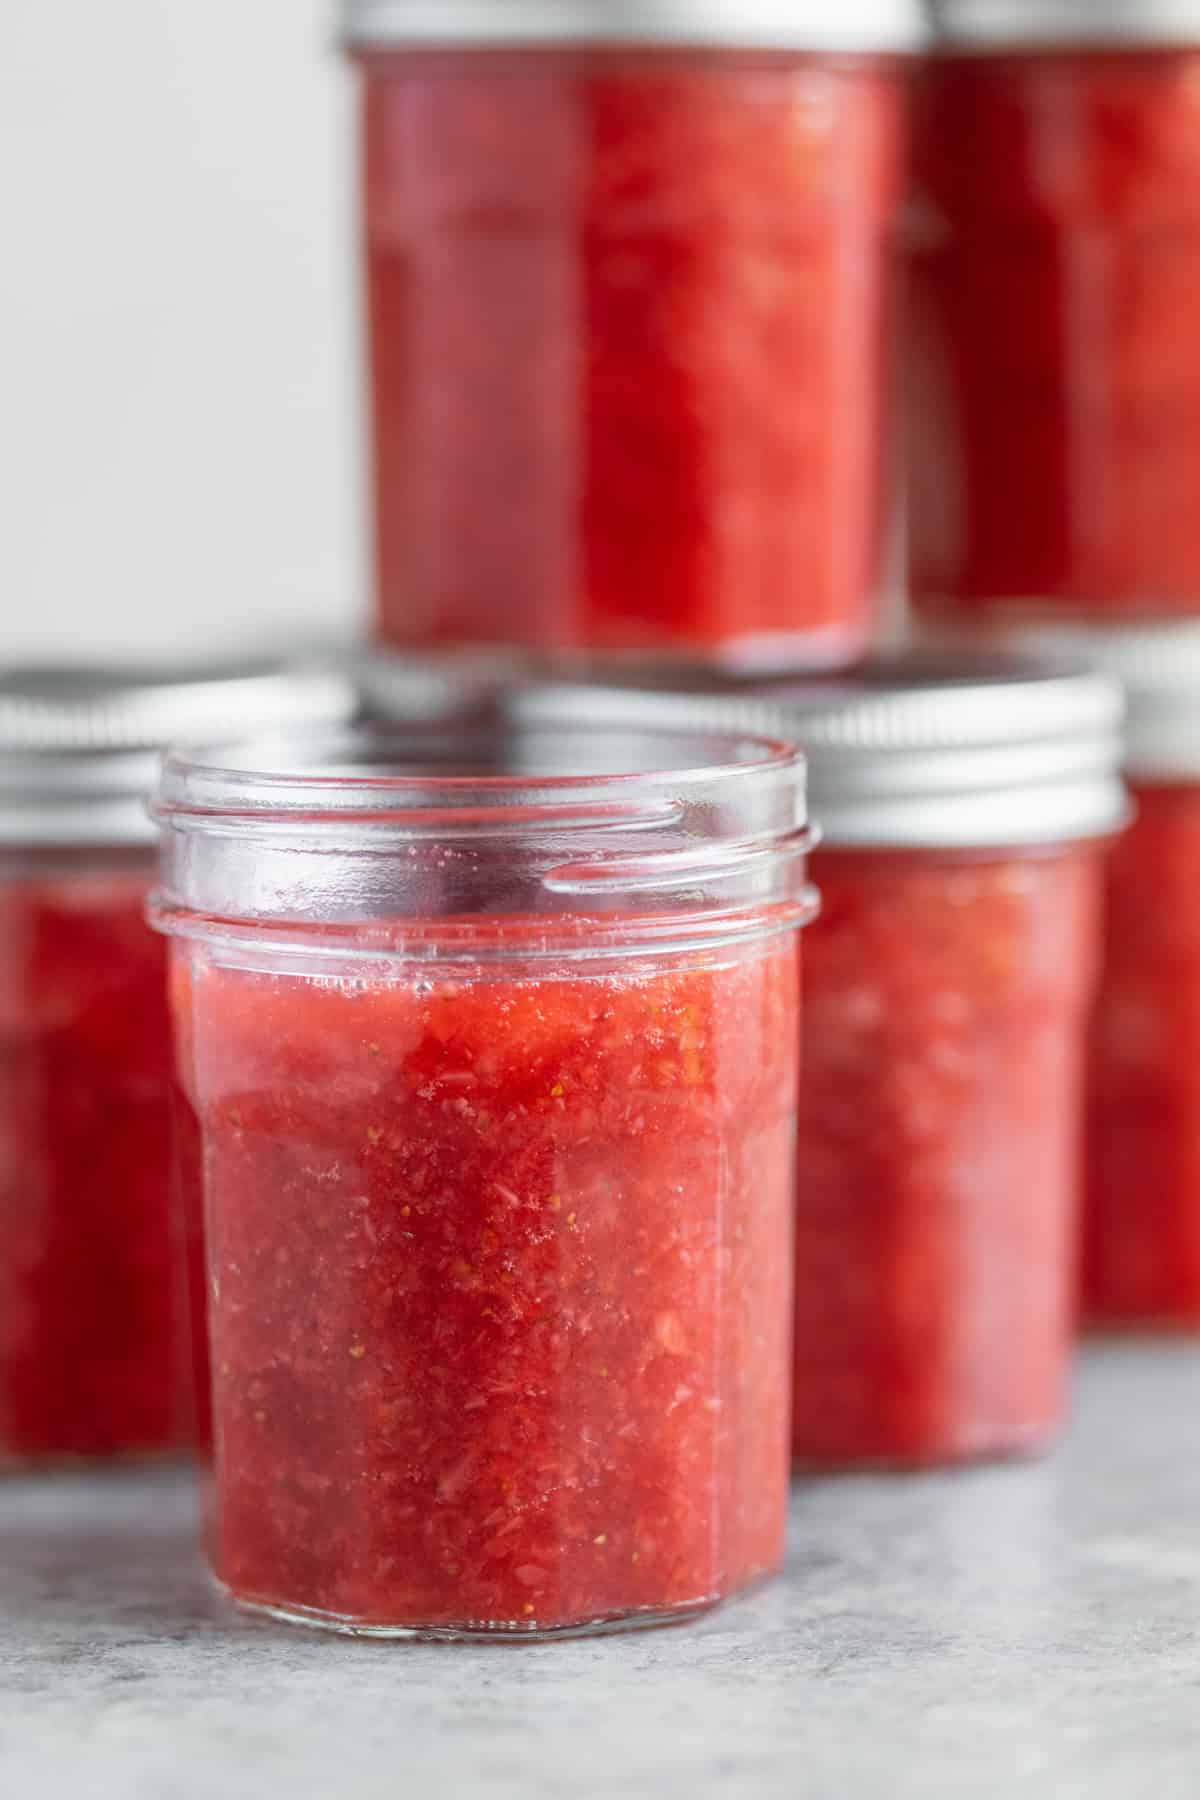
828, 648
1147, 1325
15, 1464
509, 1631
927, 1462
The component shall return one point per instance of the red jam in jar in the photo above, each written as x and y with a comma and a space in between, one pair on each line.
1054, 358
1142, 1239
93, 1353
1141, 1249
628, 312
945, 1021
964, 804
498, 1184
88, 1364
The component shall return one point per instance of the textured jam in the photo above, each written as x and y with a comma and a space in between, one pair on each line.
628, 317
1142, 1236
1055, 375
499, 1274
88, 1313
938, 1157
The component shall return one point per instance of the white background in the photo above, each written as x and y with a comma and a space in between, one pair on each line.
179, 439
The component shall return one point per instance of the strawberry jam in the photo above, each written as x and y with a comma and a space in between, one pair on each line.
939, 1167
1055, 361
88, 1314
628, 313
498, 1201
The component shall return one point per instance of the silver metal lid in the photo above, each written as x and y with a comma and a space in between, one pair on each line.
79, 747
848, 25
917, 750
1012, 24
405, 688
1158, 666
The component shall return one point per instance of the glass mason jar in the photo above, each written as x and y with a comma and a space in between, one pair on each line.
1141, 1263
628, 295
90, 1313
963, 805
491, 1044
1054, 362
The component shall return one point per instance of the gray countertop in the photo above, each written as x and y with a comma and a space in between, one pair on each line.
1024, 1631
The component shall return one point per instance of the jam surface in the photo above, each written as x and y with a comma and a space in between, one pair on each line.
938, 1160
628, 317
499, 1274
88, 1313
1055, 361
1142, 1238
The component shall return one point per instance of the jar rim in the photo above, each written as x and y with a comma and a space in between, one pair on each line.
401, 776
693, 837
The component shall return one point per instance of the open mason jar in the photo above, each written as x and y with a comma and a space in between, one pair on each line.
1054, 361
963, 806
491, 1043
91, 1323
629, 302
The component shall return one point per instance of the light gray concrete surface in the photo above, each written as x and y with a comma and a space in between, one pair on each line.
1030, 1631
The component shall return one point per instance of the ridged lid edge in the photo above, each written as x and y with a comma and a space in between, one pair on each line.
1157, 665
881, 26
79, 746
1014, 24
1021, 754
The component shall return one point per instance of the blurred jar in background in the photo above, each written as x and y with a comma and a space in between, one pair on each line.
628, 293
1054, 356
1141, 1261
964, 806
92, 1320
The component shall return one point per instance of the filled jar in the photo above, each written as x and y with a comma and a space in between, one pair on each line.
1054, 277
92, 1358
1141, 1245
628, 297
491, 1047
963, 806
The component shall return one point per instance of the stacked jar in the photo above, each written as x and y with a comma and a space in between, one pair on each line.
93, 1359
964, 805
1141, 1240
1054, 503
629, 306
1054, 361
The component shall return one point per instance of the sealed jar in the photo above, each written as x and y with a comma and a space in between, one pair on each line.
91, 1360
491, 1046
963, 806
627, 282
1054, 364
1141, 1261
